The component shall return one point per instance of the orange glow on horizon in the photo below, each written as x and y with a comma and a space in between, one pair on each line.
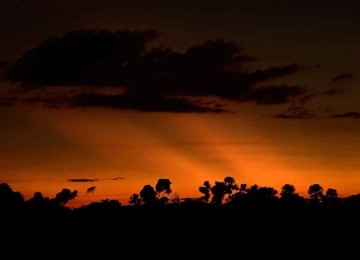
187, 149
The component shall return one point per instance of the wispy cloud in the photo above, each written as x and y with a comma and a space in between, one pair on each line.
117, 178
341, 77
95, 180
83, 180
355, 115
299, 114
297, 108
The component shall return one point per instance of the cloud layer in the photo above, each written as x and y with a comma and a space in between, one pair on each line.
148, 78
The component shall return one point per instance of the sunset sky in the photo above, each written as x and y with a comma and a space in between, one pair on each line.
118, 94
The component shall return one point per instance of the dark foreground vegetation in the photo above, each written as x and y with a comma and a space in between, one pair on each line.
222, 199
226, 220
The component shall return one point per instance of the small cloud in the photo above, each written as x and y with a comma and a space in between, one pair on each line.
91, 189
344, 76
333, 91
117, 178
82, 180
299, 114
297, 108
347, 115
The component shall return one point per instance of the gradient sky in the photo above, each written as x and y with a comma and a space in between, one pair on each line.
117, 94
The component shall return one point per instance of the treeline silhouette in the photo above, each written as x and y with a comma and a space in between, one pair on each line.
225, 214
224, 195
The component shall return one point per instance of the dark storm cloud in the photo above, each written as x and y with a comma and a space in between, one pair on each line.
347, 115
82, 180
153, 78
83, 57
344, 76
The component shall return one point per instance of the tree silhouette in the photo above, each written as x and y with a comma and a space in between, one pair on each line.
135, 200
241, 196
39, 202
151, 196
353, 202
64, 196
315, 192
148, 195
10, 199
331, 193
331, 198
218, 192
205, 189
268, 192
230, 187
103, 206
162, 187
259, 196
287, 191
243, 188
244, 198
289, 197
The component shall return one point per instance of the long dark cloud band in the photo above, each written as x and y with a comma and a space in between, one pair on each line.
152, 78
